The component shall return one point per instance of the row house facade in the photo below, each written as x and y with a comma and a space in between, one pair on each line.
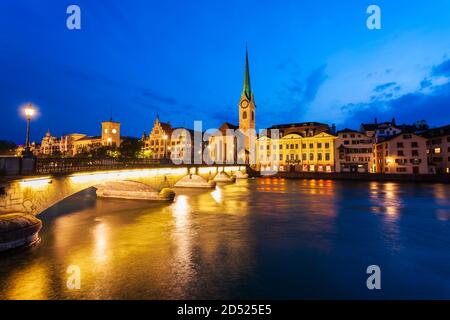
438, 149
165, 142
354, 152
405, 153
307, 147
78, 143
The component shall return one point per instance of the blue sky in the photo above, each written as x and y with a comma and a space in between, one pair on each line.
309, 61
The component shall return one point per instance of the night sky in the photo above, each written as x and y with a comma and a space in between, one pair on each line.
184, 60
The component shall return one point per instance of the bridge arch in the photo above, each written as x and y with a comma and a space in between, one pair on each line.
36, 194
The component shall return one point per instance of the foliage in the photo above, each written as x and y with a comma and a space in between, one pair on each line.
7, 147
130, 147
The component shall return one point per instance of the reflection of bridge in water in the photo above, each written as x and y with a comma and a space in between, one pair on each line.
50, 181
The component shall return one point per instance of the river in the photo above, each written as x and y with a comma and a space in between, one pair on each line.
262, 238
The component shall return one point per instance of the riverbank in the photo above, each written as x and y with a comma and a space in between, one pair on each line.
422, 178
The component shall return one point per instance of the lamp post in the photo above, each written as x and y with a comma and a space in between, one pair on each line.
29, 113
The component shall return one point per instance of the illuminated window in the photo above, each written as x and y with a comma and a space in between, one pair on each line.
106, 130
437, 150
114, 131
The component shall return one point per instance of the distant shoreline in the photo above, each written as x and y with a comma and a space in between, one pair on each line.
376, 177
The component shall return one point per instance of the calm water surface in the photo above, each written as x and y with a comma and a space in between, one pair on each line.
262, 238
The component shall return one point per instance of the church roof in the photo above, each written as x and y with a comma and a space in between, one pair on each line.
247, 91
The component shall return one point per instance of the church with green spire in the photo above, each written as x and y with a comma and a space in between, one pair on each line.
219, 143
247, 103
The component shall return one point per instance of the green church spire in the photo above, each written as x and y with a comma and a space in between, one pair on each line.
247, 88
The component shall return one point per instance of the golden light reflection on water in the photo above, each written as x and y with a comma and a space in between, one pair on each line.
30, 283
203, 240
217, 195
182, 235
442, 197
385, 198
101, 243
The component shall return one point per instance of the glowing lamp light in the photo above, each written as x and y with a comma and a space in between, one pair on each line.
29, 111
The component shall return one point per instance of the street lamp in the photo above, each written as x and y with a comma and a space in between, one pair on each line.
29, 113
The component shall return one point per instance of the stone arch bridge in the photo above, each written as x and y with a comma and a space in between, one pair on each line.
35, 194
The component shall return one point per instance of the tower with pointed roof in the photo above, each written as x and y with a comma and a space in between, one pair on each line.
247, 101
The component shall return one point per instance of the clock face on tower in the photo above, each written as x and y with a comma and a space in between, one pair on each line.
244, 104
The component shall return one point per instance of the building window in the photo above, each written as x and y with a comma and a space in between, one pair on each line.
311, 156
319, 157
311, 145
399, 144
401, 169
304, 145
400, 153
327, 157
346, 142
327, 145
437, 150
415, 153
244, 115
414, 145
304, 157
253, 115
319, 145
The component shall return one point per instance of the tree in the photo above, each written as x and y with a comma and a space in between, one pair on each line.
130, 147
7, 147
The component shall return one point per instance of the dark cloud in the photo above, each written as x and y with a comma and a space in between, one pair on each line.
407, 108
433, 104
384, 86
158, 97
442, 69
302, 92
425, 83
314, 82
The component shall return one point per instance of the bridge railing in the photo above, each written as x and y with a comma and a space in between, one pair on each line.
72, 165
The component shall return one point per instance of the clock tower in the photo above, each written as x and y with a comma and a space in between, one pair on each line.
247, 102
